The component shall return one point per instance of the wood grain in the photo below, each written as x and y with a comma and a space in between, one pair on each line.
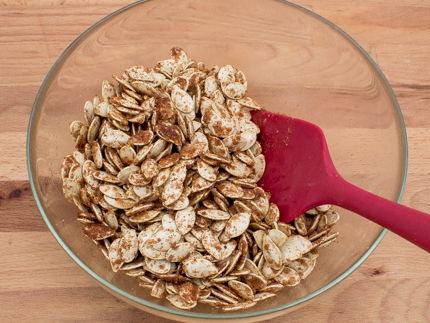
40, 283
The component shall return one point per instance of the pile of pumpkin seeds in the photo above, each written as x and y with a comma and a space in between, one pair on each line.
165, 176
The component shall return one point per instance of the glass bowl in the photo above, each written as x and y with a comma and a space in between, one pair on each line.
296, 63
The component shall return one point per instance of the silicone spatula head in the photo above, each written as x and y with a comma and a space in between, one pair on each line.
300, 175
297, 163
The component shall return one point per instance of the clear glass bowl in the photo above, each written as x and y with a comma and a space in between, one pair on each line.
296, 63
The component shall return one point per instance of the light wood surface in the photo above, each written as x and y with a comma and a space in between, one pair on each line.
40, 283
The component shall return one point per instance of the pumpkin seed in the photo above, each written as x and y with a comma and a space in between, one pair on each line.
237, 225
185, 220
199, 268
115, 256
159, 289
271, 253
179, 251
163, 240
189, 292
128, 246
177, 301
239, 306
214, 214
98, 231
243, 290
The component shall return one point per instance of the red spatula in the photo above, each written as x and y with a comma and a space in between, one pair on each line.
300, 175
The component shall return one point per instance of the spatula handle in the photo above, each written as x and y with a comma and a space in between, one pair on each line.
408, 223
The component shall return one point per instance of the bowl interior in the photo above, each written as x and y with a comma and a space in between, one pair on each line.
296, 63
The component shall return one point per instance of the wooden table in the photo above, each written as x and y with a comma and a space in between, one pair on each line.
39, 282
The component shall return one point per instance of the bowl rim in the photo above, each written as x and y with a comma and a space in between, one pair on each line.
177, 311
